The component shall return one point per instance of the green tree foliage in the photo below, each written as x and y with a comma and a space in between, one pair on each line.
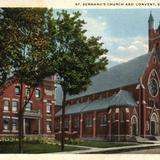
25, 49
25, 40
77, 57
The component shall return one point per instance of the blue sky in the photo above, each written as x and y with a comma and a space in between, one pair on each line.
124, 32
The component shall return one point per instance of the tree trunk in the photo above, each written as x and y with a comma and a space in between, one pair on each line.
63, 119
21, 120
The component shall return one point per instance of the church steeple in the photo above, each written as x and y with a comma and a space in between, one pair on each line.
151, 32
151, 22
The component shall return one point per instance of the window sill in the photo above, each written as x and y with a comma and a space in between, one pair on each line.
15, 131
48, 131
38, 98
15, 112
88, 126
5, 130
6, 111
103, 125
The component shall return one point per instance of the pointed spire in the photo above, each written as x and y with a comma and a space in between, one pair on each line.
151, 17
151, 22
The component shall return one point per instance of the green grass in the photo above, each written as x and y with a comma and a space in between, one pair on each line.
103, 144
33, 148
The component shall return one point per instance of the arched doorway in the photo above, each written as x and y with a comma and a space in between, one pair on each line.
134, 126
154, 128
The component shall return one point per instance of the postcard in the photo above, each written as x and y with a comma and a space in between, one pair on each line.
115, 113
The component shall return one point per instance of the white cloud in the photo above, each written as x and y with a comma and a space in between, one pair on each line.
122, 50
94, 26
111, 57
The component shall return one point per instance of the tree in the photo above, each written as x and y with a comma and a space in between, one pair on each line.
25, 43
78, 58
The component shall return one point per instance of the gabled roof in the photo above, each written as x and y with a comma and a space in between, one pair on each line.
122, 98
118, 76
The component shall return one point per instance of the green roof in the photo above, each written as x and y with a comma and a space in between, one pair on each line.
122, 98
118, 76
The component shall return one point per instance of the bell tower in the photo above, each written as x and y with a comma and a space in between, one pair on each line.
150, 31
153, 34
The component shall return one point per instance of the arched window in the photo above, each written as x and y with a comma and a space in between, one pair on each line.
134, 126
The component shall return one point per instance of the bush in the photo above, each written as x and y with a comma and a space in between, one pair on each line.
31, 140
8, 139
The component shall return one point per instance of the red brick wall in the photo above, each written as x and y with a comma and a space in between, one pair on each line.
37, 104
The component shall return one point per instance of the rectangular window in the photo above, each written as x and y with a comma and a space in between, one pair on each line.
37, 93
89, 121
76, 122
14, 106
28, 107
17, 90
66, 123
14, 125
57, 123
27, 91
115, 116
103, 120
49, 126
123, 116
6, 105
49, 108
6, 124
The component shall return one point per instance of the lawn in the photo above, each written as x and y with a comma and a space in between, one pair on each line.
33, 148
104, 144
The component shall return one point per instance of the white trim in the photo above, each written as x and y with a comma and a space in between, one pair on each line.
110, 110
6, 98
149, 107
17, 100
14, 131
144, 102
45, 100
48, 120
53, 101
156, 121
6, 111
143, 86
158, 83
138, 86
127, 110
134, 116
6, 117
14, 117
6, 130
117, 110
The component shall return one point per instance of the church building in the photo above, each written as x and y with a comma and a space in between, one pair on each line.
122, 102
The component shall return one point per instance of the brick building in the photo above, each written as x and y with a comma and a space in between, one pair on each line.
122, 102
39, 112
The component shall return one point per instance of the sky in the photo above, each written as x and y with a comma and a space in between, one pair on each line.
124, 32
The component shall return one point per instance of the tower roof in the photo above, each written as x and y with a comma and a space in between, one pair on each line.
151, 17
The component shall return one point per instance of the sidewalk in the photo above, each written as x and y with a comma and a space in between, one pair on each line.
93, 150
